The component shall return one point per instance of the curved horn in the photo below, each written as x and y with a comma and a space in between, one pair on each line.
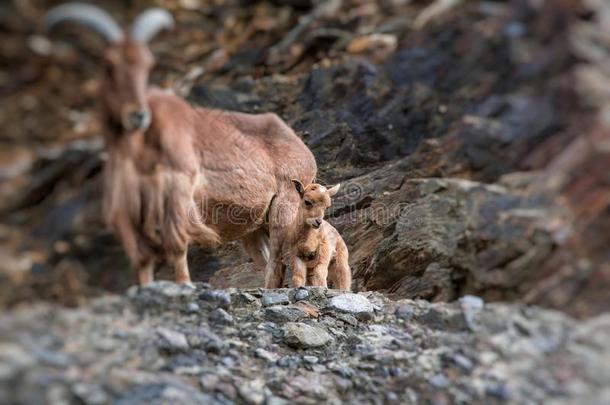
149, 23
90, 16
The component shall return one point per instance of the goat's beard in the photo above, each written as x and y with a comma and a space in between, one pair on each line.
151, 211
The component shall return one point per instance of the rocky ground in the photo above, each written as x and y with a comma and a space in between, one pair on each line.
182, 345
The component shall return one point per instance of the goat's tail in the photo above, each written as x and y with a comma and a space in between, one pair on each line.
204, 235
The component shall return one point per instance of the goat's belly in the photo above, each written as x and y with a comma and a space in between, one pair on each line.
235, 202
232, 221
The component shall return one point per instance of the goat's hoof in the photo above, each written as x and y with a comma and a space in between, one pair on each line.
186, 283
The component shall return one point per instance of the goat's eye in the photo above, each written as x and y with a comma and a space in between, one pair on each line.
308, 203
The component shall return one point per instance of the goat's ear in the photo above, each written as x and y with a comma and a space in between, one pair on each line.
299, 187
333, 190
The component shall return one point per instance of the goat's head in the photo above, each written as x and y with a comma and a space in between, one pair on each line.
315, 199
127, 59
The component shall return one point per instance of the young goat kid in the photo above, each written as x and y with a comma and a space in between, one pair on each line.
177, 174
317, 251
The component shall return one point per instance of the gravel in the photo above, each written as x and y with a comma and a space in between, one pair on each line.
274, 299
145, 348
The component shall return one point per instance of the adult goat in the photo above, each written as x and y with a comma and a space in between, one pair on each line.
177, 174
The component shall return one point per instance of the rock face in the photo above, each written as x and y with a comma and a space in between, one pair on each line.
440, 238
468, 163
151, 347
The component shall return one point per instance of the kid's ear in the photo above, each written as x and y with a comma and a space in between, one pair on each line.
299, 187
333, 190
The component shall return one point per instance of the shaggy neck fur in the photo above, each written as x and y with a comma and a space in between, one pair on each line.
306, 238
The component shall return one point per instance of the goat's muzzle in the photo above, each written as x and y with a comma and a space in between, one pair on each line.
137, 120
316, 223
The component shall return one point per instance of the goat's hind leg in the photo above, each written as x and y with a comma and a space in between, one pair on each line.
275, 269
256, 245
282, 213
339, 271
181, 269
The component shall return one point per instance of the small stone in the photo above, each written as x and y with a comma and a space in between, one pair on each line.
310, 359
52, 358
90, 394
301, 335
221, 317
471, 306
209, 382
270, 299
282, 313
159, 292
271, 328
173, 340
248, 297
252, 392
289, 361
487, 358
183, 364
40, 45
174, 392
193, 308
245, 298
219, 298
13, 360
354, 304
404, 312
301, 294
442, 318
317, 368
341, 369
472, 302
273, 400
343, 384
391, 397
227, 389
463, 362
228, 361
207, 340
347, 318
498, 390
266, 355
439, 381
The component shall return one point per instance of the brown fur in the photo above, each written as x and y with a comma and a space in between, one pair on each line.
194, 174
317, 251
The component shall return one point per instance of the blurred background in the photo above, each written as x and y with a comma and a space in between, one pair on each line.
482, 126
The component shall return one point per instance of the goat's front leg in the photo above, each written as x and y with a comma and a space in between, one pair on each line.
299, 272
146, 272
181, 269
320, 275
